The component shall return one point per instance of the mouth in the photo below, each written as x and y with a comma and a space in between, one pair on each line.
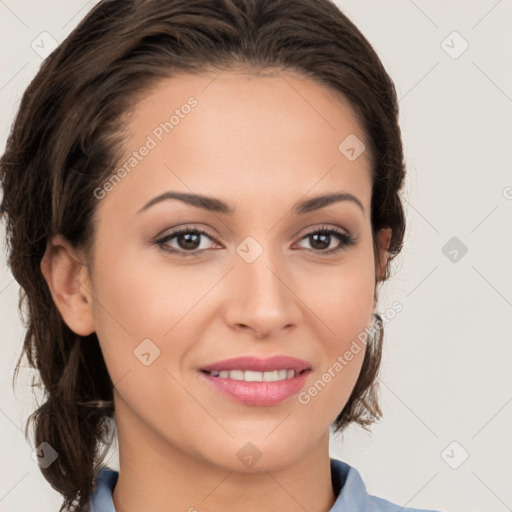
255, 376
254, 381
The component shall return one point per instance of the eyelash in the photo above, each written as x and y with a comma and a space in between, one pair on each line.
346, 239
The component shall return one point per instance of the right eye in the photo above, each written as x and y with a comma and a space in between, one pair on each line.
188, 240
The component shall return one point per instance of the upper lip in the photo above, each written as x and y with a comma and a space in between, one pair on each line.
259, 364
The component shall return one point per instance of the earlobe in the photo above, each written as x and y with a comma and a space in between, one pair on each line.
68, 280
384, 239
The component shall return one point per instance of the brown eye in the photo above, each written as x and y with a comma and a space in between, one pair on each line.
187, 241
321, 239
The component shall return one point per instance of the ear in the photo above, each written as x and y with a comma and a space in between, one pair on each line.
383, 241
67, 276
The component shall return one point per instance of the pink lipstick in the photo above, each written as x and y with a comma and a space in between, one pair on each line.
257, 381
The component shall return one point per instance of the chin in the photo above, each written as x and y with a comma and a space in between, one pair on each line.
260, 453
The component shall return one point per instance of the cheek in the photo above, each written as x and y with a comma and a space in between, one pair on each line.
140, 299
138, 311
345, 306
126, 313
345, 301
346, 310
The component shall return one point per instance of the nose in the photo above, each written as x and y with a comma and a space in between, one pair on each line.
262, 297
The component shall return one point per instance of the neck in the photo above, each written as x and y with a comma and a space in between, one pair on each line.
156, 475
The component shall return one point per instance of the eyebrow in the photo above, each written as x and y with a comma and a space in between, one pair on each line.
218, 206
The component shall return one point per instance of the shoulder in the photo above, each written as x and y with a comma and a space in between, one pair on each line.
353, 496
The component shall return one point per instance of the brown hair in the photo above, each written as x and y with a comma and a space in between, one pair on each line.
67, 138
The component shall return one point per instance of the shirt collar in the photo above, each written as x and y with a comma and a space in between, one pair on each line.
346, 480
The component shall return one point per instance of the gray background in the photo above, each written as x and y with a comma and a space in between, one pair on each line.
446, 370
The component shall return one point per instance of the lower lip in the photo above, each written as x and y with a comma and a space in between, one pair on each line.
258, 393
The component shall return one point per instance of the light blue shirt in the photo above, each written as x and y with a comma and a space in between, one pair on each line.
352, 495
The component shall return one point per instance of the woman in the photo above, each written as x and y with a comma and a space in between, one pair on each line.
201, 199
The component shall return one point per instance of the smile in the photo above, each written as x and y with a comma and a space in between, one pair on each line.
254, 376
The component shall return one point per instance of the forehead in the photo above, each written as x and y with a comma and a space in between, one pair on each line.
236, 134
262, 103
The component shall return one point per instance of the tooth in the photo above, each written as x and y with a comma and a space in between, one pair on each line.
254, 376
251, 376
270, 376
281, 375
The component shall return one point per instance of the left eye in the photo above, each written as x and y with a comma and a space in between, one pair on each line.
188, 240
323, 237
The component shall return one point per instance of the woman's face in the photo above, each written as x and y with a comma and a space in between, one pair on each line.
261, 146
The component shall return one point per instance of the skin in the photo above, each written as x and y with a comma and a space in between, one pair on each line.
260, 143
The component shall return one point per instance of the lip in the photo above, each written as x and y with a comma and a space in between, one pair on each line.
258, 393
